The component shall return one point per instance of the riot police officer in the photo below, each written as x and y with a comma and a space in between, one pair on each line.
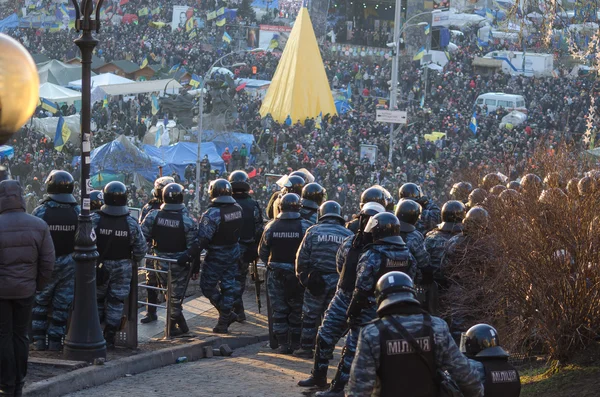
404, 346
408, 213
453, 212
460, 191
278, 247
219, 233
171, 231
313, 195
481, 344
532, 186
492, 179
334, 322
119, 241
477, 197
96, 200
249, 235
317, 272
371, 195
430, 212
293, 184
151, 279
387, 253
60, 212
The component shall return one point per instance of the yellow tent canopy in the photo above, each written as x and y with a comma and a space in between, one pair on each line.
299, 88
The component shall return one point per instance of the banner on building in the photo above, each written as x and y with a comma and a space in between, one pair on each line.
181, 15
271, 36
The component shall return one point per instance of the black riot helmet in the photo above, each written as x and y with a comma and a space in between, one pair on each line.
366, 212
509, 197
394, 288
159, 185
239, 181
220, 191
553, 196
289, 206
96, 200
384, 227
172, 197
532, 185
115, 199
514, 185
460, 191
496, 190
59, 186
294, 184
301, 174
313, 195
373, 194
481, 340
453, 211
410, 191
476, 221
408, 211
490, 180
331, 209
477, 197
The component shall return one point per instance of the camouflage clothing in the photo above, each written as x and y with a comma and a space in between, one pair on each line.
153, 204
416, 245
431, 216
112, 294
317, 254
309, 214
363, 376
435, 244
285, 292
57, 295
179, 274
220, 266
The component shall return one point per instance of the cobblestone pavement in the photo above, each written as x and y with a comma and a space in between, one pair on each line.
250, 372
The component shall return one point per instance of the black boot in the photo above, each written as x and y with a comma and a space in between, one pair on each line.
337, 385
238, 309
110, 333
182, 324
149, 317
284, 346
295, 341
318, 375
19, 389
225, 318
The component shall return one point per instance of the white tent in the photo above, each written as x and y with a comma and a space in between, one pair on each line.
48, 126
56, 93
102, 80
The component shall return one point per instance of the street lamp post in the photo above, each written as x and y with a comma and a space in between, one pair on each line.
201, 113
84, 341
396, 44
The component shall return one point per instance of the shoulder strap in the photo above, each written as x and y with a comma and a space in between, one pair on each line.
406, 335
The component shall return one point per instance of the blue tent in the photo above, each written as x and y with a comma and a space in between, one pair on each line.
6, 152
229, 140
120, 157
177, 157
11, 21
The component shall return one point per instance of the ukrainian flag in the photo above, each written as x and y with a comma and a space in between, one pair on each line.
189, 25
62, 134
473, 123
64, 10
419, 55
195, 80
48, 105
221, 22
155, 105
174, 69
427, 29
489, 15
318, 121
144, 63
226, 37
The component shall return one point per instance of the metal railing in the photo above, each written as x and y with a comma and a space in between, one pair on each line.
166, 290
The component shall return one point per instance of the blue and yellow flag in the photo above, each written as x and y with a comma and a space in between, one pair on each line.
189, 25
64, 10
211, 15
195, 80
473, 123
155, 105
318, 121
174, 69
221, 11
489, 15
221, 22
62, 134
420, 54
226, 37
427, 29
48, 105
144, 63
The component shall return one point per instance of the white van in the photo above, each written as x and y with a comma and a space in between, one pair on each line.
495, 100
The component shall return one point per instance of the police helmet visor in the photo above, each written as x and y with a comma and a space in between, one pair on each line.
372, 224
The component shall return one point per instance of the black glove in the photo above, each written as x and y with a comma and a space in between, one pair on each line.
359, 301
196, 266
184, 259
315, 283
